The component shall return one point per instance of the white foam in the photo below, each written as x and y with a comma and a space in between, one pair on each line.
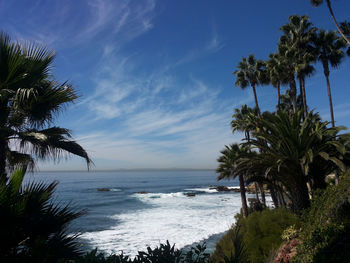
180, 219
204, 190
115, 189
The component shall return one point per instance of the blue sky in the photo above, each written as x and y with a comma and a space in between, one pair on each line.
155, 76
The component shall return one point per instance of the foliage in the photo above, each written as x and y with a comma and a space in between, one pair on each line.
326, 227
30, 99
259, 234
164, 253
290, 233
240, 251
34, 228
293, 150
262, 232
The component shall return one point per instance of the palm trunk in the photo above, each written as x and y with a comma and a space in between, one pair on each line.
281, 197
256, 192
278, 95
326, 73
243, 196
330, 101
3, 147
262, 193
273, 196
256, 99
303, 95
255, 184
300, 197
335, 22
293, 93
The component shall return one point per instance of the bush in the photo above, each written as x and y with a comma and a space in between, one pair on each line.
326, 227
261, 234
164, 253
33, 228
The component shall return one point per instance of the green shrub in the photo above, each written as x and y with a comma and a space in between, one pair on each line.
164, 253
34, 228
326, 227
261, 234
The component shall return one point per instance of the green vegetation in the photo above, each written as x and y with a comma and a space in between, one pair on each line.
293, 153
290, 152
261, 233
326, 227
30, 98
33, 223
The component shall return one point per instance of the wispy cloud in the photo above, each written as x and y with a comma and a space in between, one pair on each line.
91, 18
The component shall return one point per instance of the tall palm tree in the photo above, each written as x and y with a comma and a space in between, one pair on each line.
276, 74
227, 162
329, 5
243, 120
250, 71
328, 51
30, 98
298, 52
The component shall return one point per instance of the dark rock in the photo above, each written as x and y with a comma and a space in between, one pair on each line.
190, 194
222, 188
103, 189
143, 192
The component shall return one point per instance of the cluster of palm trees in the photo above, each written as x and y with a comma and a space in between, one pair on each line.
290, 151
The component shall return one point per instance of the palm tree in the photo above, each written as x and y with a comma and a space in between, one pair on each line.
328, 51
250, 71
298, 52
227, 162
243, 120
30, 98
291, 149
345, 26
288, 55
319, 2
276, 74
34, 227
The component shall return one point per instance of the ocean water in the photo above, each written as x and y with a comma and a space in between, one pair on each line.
123, 219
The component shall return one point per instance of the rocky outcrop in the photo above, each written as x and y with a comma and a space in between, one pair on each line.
222, 188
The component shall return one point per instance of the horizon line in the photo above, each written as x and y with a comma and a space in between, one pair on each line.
128, 169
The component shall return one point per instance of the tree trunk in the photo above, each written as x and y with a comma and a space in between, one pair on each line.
303, 95
293, 93
262, 193
3, 147
256, 99
326, 73
256, 192
281, 198
336, 23
278, 95
300, 197
243, 196
273, 195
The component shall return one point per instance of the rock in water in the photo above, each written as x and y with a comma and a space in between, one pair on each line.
103, 189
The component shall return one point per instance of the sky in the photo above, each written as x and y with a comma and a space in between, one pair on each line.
155, 76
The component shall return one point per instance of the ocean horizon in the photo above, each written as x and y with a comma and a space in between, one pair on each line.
128, 210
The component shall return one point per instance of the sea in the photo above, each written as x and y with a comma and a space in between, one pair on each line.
145, 208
